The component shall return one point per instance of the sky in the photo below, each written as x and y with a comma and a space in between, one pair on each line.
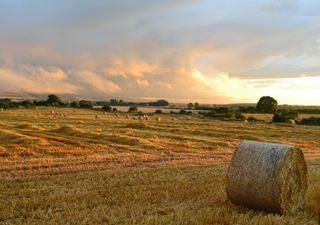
206, 51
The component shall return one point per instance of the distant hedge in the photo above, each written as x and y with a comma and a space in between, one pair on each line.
311, 121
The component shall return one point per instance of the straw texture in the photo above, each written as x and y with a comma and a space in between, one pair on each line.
266, 176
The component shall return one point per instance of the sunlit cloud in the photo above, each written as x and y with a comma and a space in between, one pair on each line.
37, 80
95, 82
131, 67
186, 50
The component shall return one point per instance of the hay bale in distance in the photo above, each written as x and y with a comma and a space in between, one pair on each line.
270, 177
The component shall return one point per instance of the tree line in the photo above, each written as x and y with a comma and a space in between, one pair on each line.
55, 101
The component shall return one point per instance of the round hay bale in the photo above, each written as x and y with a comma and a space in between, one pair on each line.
266, 176
293, 122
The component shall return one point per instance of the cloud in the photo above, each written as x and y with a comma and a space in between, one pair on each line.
142, 83
135, 68
182, 50
35, 80
234, 89
95, 82
44, 80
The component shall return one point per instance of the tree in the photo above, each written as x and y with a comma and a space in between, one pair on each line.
27, 104
133, 109
54, 100
196, 105
267, 104
75, 104
106, 108
284, 115
159, 103
190, 105
114, 102
85, 104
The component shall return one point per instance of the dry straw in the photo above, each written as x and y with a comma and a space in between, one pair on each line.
270, 177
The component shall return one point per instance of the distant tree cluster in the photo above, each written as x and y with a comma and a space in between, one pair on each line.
308, 110
249, 109
84, 104
52, 100
159, 103
311, 121
8, 104
195, 105
223, 112
115, 102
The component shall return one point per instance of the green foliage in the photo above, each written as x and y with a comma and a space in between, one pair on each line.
185, 112
159, 103
54, 100
223, 112
5, 100
311, 121
106, 108
9, 105
40, 103
190, 105
158, 111
85, 104
114, 102
27, 104
267, 104
133, 109
319, 219
75, 104
249, 109
284, 115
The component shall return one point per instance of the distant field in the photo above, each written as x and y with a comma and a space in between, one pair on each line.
81, 170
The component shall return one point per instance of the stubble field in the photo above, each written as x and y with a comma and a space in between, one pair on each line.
71, 168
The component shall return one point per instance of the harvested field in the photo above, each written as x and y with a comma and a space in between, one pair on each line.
81, 170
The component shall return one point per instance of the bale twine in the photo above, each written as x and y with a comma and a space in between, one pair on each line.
270, 177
